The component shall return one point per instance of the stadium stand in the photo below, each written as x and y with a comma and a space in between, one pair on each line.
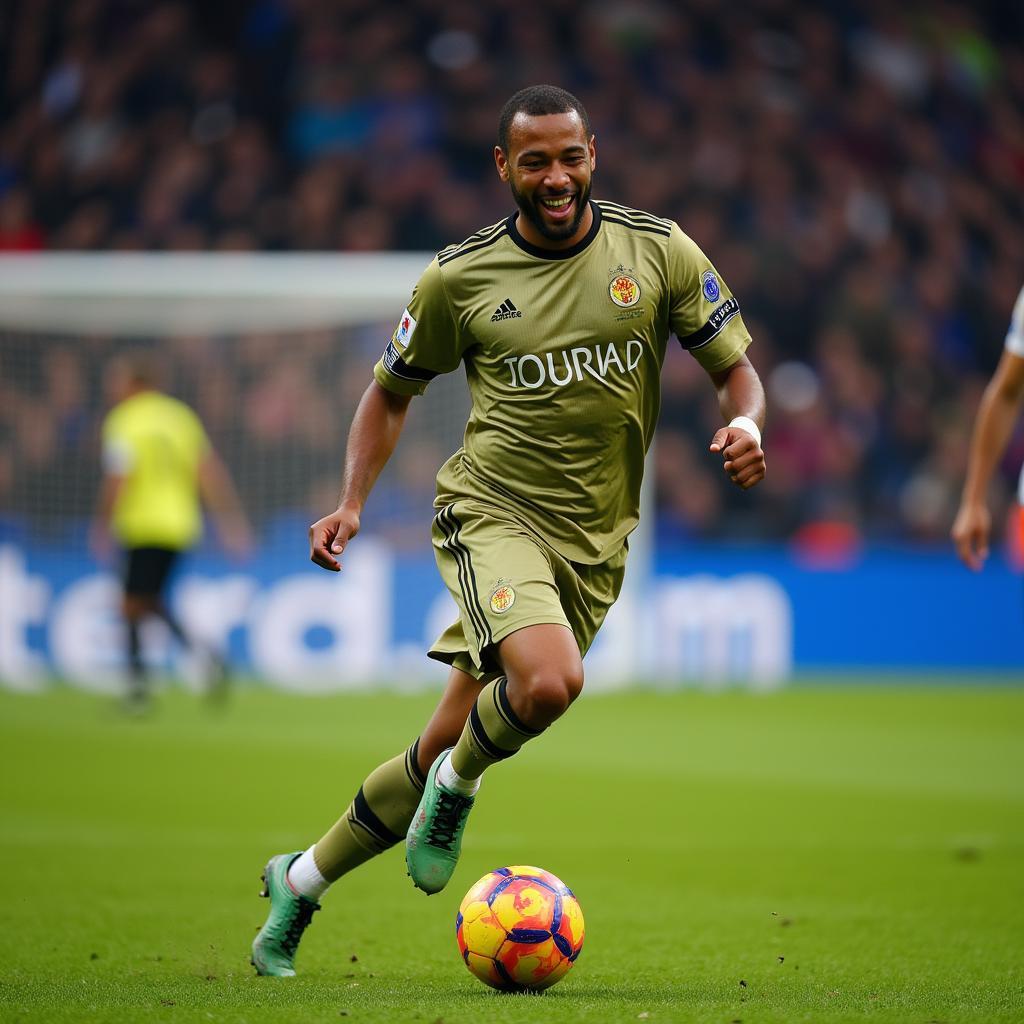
857, 169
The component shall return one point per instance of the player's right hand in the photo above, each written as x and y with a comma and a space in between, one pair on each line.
329, 536
970, 533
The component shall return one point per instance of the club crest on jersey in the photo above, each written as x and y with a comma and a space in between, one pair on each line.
624, 289
502, 597
403, 332
709, 286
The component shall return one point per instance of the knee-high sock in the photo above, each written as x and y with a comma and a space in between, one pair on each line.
174, 626
377, 818
492, 732
136, 666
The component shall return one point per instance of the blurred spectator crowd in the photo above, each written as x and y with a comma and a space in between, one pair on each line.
854, 169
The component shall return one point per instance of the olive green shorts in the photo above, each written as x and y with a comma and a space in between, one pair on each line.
503, 577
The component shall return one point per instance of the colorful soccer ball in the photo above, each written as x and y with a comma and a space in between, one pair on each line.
519, 928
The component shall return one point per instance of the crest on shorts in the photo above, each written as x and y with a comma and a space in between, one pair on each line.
624, 288
503, 596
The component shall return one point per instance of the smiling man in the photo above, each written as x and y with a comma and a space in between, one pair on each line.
555, 210
562, 315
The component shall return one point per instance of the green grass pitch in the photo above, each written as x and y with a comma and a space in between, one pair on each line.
827, 853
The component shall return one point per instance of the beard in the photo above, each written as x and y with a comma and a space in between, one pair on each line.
533, 212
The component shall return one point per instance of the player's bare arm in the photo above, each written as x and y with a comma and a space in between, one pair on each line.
101, 541
375, 430
740, 396
997, 413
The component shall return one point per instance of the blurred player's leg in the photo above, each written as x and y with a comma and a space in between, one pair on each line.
216, 677
376, 820
146, 570
544, 675
138, 690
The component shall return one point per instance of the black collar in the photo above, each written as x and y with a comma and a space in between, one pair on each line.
556, 254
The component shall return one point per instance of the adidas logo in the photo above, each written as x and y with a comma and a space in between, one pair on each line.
505, 311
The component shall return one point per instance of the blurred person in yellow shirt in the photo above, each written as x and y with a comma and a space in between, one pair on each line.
159, 470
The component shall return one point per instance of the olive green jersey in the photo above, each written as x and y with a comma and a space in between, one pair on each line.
563, 352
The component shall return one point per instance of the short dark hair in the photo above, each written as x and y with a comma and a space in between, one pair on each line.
536, 101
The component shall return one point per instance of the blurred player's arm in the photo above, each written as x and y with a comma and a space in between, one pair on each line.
740, 396
1000, 405
220, 497
118, 456
100, 539
375, 430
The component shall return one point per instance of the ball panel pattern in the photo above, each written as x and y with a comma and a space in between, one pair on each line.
525, 905
480, 931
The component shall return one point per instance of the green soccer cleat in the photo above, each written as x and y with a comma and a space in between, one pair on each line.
434, 840
273, 949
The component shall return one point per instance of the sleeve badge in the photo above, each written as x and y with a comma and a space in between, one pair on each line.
403, 333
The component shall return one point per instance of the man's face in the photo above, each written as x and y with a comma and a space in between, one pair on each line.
548, 166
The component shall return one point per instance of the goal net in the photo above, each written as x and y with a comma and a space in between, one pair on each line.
273, 352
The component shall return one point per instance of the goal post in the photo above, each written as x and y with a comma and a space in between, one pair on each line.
273, 351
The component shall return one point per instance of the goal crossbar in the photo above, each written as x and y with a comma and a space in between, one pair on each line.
167, 294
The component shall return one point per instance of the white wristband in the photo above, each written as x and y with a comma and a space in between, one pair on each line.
747, 424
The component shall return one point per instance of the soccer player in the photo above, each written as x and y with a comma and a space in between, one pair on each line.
158, 468
996, 415
561, 315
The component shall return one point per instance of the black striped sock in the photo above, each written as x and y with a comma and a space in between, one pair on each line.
492, 732
377, 818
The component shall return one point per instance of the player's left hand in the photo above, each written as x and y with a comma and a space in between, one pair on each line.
742, 457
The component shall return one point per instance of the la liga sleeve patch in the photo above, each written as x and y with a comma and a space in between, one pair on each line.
403, 332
